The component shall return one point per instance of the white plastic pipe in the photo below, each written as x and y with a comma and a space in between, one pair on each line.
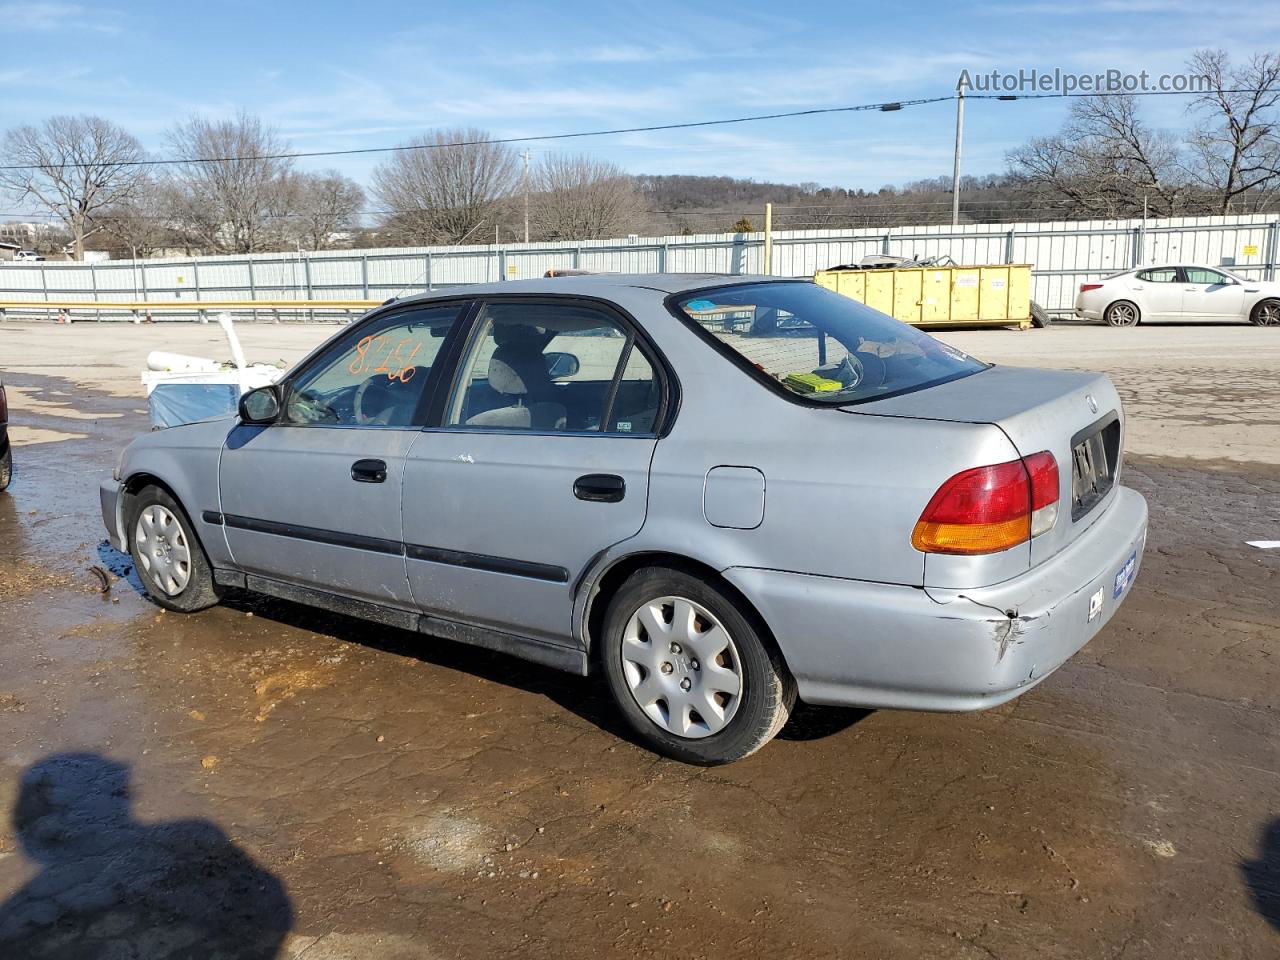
233, 339
162, 360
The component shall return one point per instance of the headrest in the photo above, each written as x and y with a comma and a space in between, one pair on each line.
517, 370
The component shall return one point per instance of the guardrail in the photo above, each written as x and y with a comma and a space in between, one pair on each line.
142, 310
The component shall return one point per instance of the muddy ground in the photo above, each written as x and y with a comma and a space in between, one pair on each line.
263, 780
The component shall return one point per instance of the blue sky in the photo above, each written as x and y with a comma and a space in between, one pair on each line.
375, 72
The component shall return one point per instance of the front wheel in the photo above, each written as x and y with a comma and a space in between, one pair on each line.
690, 671
1266, 314
6, 468
169, 559
1122, 313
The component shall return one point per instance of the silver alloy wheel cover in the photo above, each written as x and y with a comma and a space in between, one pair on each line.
163, 550
660, 657
1269, 314
1125, 313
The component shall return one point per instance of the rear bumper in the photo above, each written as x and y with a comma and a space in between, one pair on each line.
1086, 313
109, 501
854, 643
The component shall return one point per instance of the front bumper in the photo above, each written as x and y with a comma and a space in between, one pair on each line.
109, 501
854, 643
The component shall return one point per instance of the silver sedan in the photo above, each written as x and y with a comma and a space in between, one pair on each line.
720, 494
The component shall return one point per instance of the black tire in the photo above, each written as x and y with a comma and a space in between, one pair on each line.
1122, 313
199, 592
768, 691
1040, 316
6, 468
1265, 313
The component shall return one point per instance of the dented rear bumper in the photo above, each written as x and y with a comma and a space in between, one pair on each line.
864, 644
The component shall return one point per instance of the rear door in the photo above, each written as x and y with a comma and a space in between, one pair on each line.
1158, 293
1211, 295
314, 499
540, 460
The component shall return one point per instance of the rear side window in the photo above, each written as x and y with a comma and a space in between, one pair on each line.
552, 368
1162, 275
820, 345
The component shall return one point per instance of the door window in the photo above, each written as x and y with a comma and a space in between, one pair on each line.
1201, 275
560, 367
375, 377
1160, 275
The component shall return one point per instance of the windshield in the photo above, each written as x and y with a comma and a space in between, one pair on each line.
821, 345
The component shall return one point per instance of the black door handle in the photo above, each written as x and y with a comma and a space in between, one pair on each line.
369, 471
600, 488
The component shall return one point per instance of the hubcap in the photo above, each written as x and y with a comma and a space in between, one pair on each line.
1124, 315
682, 667
163, 550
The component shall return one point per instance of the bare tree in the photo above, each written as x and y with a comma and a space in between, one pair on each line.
578, 197
74, 167
1105, 162
325, 204
443, 191
140, 225
1235, 146
232, 193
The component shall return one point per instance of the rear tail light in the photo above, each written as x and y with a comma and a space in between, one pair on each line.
989, 509
1086, 287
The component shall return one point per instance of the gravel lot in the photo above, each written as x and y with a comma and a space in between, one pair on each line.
264, 776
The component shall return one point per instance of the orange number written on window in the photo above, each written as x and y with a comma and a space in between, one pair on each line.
381, 354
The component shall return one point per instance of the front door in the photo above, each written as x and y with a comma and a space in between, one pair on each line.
314, 499
1211, 295
541, 461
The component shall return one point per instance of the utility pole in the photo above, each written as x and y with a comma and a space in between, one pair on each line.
955, 174
526, 194
768, 239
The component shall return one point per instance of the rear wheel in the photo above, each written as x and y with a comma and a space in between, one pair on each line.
6, 467
690, 671
1123, 313
1266, 314
169, 559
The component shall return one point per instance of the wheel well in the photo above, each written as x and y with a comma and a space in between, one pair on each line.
136, 483
615, 576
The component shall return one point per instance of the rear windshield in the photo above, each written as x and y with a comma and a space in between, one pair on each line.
821, 345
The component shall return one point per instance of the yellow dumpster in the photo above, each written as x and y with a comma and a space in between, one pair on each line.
938, 296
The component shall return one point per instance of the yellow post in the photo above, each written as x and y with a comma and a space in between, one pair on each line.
768, 239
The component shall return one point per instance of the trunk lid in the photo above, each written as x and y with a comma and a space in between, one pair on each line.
1076, 416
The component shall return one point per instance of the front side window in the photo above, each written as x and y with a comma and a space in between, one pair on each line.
823, 346
1161, 275
1208, 277
552, 367
375, 378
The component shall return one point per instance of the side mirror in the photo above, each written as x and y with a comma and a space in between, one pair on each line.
260, 406
561, 365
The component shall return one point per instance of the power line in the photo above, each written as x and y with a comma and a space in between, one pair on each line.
888, 106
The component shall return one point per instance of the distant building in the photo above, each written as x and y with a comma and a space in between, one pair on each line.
9, 250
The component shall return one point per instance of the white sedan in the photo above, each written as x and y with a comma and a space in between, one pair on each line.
1179, 293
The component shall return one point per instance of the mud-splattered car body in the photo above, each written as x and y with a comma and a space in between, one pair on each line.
827, 473
6, 453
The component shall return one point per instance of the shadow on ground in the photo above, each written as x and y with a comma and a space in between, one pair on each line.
110, 886
1262, 876
586, 697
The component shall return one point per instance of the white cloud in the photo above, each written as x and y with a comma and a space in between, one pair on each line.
44, 17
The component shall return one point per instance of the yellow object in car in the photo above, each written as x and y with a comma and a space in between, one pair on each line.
811, 383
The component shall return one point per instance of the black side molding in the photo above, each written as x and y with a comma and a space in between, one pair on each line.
314, 534
480, 561
212, 516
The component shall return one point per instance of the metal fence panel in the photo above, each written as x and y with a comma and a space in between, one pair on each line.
1063, 255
